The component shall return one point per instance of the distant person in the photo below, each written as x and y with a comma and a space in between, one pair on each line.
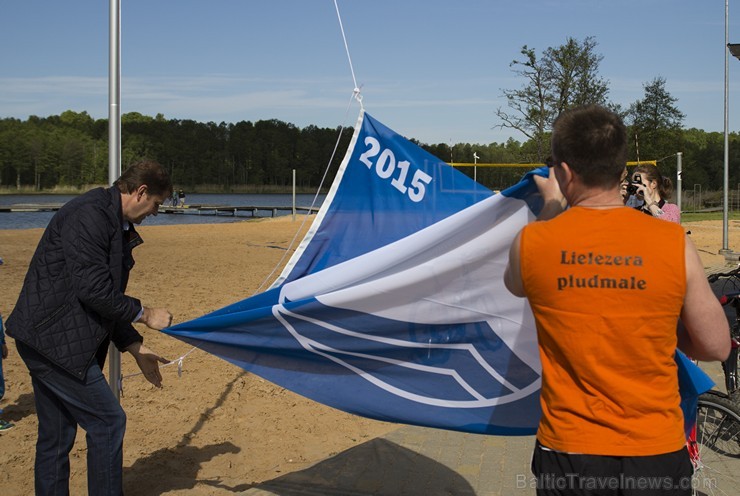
653, 191
71, 305
182, 198
4, 424
628, 190
613, 293
175, 199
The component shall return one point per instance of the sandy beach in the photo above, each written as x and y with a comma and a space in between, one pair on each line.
214, 429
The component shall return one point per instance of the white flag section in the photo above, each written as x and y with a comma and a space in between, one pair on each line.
393, 307
444, 277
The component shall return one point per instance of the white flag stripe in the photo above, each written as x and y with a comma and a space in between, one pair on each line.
324, 350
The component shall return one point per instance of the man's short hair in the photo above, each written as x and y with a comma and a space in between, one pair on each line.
148, 172
592, 140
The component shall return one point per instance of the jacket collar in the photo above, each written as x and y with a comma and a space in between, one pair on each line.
115, 202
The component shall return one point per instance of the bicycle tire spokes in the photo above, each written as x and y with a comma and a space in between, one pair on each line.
715, 453
726, 286
722, 437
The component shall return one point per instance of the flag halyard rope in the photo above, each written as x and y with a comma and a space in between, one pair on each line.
356, 92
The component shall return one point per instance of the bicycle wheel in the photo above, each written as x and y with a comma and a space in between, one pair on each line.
717, 466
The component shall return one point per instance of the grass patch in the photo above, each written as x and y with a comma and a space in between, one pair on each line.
698, 216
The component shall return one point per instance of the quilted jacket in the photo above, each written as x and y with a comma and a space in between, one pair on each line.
72, 302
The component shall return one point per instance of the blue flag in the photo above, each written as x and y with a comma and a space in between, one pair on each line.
393, 307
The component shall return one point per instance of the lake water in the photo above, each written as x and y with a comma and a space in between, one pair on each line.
28, 220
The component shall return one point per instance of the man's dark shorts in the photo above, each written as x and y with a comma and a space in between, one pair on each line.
559, 473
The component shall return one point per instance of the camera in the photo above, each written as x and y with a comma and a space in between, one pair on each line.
633, 184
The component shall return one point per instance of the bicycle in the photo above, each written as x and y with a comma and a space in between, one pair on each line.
715, 452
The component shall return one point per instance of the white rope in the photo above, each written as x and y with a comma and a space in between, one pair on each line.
172, 362
356, 92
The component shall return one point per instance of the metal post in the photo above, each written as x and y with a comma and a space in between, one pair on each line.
114, 151
294, 194
114, 93
475, 167
697, 202
725, 218
679, 179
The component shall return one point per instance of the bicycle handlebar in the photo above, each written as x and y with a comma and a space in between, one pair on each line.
727, 298
733, 273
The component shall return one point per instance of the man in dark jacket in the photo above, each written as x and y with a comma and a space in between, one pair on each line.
72, 304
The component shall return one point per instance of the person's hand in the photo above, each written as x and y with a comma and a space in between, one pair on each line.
623, 190
148, 362
5, 351
554, 200
548, 186
648, 194
156, 318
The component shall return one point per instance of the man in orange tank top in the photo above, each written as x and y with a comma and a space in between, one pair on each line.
613, 293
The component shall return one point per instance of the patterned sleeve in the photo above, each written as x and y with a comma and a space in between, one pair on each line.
671, 213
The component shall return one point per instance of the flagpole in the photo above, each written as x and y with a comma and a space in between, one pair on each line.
114, 150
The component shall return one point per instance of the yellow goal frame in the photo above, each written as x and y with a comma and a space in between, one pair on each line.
534, 166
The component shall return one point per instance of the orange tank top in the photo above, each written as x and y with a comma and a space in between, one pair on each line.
606, 303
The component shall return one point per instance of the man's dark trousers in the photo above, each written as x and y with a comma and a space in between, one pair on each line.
62, 403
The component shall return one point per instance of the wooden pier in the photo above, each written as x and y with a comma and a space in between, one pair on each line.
31, 207
233, 210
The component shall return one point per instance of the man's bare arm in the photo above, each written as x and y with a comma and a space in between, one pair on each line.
703, 331
513, 273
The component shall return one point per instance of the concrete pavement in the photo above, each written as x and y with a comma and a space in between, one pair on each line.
416, 461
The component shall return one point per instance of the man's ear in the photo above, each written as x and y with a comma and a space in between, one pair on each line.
141, 190
566, 175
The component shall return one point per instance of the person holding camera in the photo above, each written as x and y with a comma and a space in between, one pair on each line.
653, 189
627, 190
609, 315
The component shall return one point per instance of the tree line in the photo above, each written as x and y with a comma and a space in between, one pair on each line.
71, 149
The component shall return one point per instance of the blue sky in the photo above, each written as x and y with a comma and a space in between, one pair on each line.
429, 69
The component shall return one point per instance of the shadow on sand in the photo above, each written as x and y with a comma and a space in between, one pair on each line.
378, 468
23, 407
170, 469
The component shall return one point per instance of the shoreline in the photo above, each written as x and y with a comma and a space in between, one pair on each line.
203, 189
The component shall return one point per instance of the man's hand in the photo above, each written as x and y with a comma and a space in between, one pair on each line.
148, 362
552, 196
156, 318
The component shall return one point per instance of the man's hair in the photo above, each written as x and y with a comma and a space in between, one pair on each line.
592, 140
148, 172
